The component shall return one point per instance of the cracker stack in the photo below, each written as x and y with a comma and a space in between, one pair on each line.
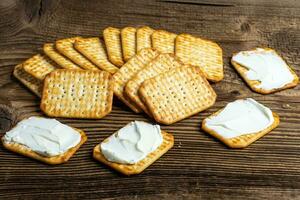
147, 69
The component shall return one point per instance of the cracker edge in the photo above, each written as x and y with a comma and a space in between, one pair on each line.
122, 167
54, 160
241, 143
251, 84
111, 86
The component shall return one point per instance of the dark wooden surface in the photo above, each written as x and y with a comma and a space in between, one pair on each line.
198, 166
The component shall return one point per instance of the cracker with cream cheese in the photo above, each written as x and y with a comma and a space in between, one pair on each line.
243, 140
53, 160
253, 84
137, 168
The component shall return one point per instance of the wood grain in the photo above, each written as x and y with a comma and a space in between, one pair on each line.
198, 166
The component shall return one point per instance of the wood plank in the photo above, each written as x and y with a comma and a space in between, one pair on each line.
198, 166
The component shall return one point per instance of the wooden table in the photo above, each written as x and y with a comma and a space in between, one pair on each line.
198, 166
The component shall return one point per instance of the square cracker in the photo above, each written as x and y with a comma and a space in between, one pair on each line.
252, 83
143, 38
177, 94
201, 53
65, 47
62, 61
54, 160
131, 169
94, 50
128, 37
32, 83
39, 66
162, 63
112, 39
164, 41
77, 94
243, 140
128, 70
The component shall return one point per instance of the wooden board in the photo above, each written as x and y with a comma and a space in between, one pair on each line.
198, 166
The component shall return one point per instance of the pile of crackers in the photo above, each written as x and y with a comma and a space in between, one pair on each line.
157, 72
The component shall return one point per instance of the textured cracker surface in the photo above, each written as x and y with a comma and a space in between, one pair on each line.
177, 94
54, 160
62, 61
39, 66
253, 84
32, 83
65, 47
94, 50
243, 140
201, 53
168, 142
128, 70
162, 63
112, 38
77, 94
143, 38
128, 37
164, 41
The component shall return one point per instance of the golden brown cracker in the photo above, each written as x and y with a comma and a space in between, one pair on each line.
201, 53
77, 94
112, 39
65, 47
128, 37
54, 160
62, 61
177, 94
164, 41
143, 38
243, 140
32, 83
128, 70
162, 63
253, 84
39, 66
94, 50
168, 142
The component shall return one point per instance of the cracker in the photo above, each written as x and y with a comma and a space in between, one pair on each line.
32, 83
128, 70
94, 50
243, 140
201, 53
77, 94
162, 63
54, 160
253, 84
128, 37
177, 94
112, 38
131, 169
65, 47
143, 38
164, 41
62, 61
39, 66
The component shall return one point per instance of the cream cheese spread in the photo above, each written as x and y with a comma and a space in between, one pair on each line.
47, 137
239, 118
265, 66
132, 143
